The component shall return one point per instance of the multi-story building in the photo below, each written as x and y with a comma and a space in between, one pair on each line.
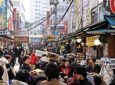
20, 16
38, 11
62, 24
20, 31
6, 23
94, 29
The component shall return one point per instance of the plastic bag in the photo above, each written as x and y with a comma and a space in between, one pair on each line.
106, 74
16, 66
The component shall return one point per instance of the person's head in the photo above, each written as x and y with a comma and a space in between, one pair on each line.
80, 72
52, 57
52, 71
63, 60
91, 61
33, 51
8, 57
26, 59
67, 64
1, 72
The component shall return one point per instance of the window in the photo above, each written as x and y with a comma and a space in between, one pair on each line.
35, 9
36, 5
37, 1
36, 13
95, 15
36, 17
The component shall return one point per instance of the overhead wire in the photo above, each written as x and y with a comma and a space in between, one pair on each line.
48, 18
40, 22
65, 12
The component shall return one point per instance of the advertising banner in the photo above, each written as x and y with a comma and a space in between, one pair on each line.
10, 24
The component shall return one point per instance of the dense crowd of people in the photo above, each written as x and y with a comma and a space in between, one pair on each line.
48, 69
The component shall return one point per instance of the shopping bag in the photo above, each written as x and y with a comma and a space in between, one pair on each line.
16, 66
106, 73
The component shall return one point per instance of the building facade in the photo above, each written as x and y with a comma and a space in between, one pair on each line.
38, 12
19, 15
95, 28
6, 23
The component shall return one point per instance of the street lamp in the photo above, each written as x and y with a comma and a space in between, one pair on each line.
79, 39
55, 3
97, 42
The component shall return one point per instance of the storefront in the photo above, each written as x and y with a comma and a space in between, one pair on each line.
6, 41
106, 32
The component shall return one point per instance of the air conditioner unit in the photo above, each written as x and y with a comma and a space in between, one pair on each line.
112, 63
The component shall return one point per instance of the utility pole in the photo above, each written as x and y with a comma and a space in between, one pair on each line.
55, 17
55, 3
28, 39
55, 31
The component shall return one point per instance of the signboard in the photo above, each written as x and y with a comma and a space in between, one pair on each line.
2, 3
112, 6
109, 5
10, 24
90, 41
66, 26
55, 33
1, 21
35, 40
21, 39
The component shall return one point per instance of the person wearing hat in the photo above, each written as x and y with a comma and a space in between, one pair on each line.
80, 77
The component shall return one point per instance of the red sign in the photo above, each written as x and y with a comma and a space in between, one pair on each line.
112, 6
65, 26
10, 24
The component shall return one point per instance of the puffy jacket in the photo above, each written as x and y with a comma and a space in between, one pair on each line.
34, 59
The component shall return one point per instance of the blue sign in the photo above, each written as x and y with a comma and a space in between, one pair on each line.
55, 33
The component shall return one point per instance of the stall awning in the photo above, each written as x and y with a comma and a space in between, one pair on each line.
101, 31
6, 36
110, 20
103, 27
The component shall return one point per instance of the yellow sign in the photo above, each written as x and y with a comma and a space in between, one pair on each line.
90, 40
1, 2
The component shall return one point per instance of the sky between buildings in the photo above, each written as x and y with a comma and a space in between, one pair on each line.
27, 9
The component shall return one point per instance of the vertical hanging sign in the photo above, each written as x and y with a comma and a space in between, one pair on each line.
112, 6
